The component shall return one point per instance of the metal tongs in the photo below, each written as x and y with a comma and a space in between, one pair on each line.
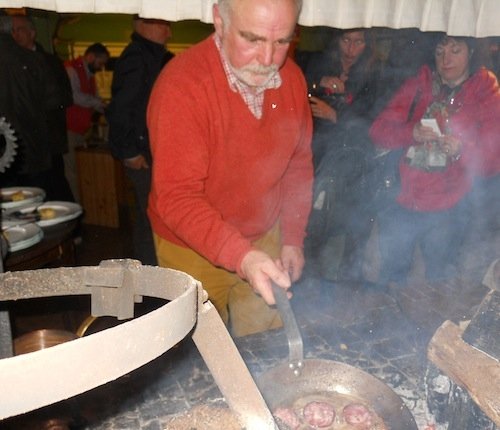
295, 344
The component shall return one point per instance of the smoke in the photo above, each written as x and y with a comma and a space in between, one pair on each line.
344, 176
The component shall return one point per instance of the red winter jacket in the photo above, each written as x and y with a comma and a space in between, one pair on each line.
476, 122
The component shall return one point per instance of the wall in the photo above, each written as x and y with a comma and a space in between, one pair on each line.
114, 31
70, 33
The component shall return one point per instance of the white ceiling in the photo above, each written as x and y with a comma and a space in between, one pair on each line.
478, 18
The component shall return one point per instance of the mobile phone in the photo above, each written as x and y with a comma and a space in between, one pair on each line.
432, 123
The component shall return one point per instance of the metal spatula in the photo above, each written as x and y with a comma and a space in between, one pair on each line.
295, 344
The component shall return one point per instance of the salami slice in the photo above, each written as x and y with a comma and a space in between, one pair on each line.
287, 417
319, 414
358, 415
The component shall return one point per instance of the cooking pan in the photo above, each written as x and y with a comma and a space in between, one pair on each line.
303, 378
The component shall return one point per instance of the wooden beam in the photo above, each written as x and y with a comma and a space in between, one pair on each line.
468, 367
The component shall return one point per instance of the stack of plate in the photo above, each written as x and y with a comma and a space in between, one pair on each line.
22, 236
16, 197
23, 213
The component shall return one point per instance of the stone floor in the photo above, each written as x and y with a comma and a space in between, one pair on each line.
361, 324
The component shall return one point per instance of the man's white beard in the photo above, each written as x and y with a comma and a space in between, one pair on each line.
255, 75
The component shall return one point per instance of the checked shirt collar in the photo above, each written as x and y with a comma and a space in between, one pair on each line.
253, 98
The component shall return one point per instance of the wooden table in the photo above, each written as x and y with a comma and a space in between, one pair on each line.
56, 249
101, 185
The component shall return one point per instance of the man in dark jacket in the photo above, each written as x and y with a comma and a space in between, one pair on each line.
25, 98
134, 75
24, 33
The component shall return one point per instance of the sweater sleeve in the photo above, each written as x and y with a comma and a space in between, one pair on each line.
180, 131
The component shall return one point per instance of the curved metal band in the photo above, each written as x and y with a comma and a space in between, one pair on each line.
104, 356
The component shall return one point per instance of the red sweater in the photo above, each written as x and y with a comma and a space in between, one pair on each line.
221, 177
476, 122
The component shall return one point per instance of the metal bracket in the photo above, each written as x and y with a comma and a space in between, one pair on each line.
113, 286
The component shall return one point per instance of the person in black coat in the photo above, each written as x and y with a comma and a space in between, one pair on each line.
56, 185
343, 81
133, 77
25, 99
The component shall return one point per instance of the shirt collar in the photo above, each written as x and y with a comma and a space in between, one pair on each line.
234, 83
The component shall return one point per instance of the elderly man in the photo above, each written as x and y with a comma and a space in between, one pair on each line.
230, 130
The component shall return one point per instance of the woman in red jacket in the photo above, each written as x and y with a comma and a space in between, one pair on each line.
447, 122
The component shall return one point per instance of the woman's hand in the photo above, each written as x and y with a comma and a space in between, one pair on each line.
422, 134
333, 83
321, 109
451, 145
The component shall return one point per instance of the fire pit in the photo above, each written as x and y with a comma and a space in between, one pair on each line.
86, 363
370, 333
465, 375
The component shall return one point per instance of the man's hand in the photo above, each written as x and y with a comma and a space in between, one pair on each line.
292, 261
136, 163
259, 270
100, 105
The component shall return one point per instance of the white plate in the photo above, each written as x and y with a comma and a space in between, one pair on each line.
23, 236
31, 195
63, 211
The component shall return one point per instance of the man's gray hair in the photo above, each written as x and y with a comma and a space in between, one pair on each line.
226, 5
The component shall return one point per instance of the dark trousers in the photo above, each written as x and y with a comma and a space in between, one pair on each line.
144, 249
439, 234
